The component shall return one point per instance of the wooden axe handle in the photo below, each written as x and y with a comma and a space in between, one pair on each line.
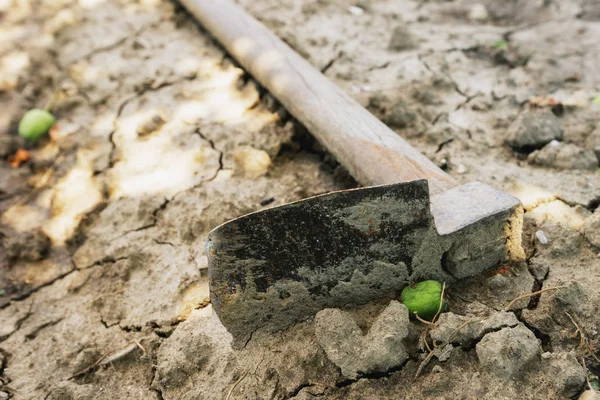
372, 153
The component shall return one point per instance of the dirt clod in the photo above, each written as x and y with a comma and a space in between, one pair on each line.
565, 156
533, 129
569, 375
509, 351
381, 349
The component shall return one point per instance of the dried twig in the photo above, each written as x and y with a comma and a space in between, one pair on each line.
524, 296
430, 325
425, 341
437, 314
583, 342
582, 339
109, 358
235, 385
424, 364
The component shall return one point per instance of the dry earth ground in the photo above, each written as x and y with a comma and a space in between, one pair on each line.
161, 137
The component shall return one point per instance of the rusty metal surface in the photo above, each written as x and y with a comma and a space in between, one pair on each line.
319, 243
273, 268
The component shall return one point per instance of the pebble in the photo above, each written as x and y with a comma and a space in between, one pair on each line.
541, 237
251, 162
533, 129
357, 11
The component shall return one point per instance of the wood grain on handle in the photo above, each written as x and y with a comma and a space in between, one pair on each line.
372, 153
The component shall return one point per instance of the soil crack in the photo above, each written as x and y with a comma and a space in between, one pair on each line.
33, 334
19, 322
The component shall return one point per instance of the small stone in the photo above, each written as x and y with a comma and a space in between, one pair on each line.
4, 396
461, 169
437, 369
251, 162
564, 156
509, 352
401, 115
541, 237
546, 355
566, 372
356, 11
401, 39
478, 12
533, 129
591, 229
381, 349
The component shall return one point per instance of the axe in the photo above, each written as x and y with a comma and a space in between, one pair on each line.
277, 267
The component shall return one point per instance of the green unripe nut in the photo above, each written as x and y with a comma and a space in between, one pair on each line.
35, 124
423, 298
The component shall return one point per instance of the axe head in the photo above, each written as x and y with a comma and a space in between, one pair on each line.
276, 267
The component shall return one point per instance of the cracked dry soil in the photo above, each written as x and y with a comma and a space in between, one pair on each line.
161, 138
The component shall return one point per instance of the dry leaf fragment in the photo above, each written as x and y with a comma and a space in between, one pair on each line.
18, 158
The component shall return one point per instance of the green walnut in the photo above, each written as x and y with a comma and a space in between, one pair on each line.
423, 298
35, 124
